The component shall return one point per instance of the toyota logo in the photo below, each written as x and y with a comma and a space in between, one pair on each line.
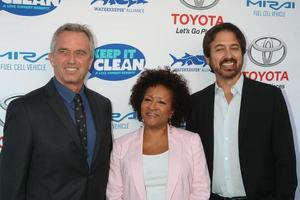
199, 4
4, 103
267, 51
3, 106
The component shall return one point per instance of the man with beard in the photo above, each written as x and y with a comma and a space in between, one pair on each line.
244, 126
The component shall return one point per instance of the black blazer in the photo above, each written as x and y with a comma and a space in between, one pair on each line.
42, 158
266, 147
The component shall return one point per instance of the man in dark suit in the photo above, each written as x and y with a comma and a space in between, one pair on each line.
45, 156
244, 126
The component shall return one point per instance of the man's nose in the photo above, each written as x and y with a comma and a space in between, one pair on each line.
72, 57
228, 54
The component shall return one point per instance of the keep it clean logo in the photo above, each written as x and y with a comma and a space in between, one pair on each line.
115, 62
29, 7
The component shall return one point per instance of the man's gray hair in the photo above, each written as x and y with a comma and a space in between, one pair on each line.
74, 28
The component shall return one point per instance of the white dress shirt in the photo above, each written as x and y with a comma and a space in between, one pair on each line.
227, 179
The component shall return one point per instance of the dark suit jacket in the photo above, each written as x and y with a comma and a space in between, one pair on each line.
266, 147
42, 158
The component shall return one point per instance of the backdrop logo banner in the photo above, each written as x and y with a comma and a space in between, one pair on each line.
274, 5
194, 24
128, 3
115, 62
121, 121
270, 8
29, 56
29, 7
119, 5
199, 4
23, 61
3, 107
267, 51
189, 63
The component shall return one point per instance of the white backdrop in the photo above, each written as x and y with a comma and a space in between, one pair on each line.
137, 34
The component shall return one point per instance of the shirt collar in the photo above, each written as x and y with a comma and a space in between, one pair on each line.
65, 92
236, 88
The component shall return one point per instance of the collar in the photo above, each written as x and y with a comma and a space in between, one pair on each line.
67, 94
236, 88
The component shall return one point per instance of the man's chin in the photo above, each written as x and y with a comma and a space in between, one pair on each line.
230, 75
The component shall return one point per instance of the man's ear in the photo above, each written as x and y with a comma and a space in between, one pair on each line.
91, 62
207, 60
50, 58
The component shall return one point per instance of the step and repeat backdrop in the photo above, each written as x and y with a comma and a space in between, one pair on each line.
133, 35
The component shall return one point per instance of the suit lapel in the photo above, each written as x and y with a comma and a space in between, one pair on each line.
137, 164
245, 106
97, 114
56, 103
209, 104
175, 154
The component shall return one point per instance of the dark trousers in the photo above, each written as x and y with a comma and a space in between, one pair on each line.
217, 197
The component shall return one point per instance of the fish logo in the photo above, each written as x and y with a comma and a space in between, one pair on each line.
189, 59
121, 2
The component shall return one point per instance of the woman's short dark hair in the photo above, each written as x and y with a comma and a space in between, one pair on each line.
211, 34
171, 80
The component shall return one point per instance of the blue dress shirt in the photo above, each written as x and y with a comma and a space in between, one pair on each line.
68, 97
